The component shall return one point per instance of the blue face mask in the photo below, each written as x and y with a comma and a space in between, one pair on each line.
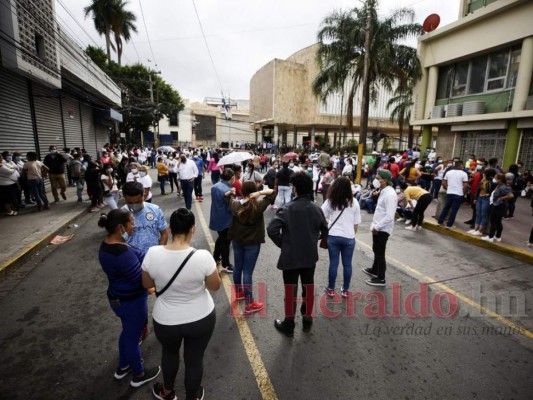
125, 236
17, 159
9, 158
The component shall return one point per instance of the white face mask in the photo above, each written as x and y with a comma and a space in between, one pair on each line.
376, 183
134, 171
398, 190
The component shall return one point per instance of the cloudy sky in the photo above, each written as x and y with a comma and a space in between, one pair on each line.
242, 35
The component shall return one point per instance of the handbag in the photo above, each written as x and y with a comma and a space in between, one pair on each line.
159, 293
324, 241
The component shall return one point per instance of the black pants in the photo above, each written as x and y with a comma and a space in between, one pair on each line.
496, 215
196, 336
173, 178
418, 213
511, 204
290, 279
379, 245
222, 245
531, 236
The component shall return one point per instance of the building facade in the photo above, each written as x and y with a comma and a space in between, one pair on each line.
285, 110
51, 93
477, 85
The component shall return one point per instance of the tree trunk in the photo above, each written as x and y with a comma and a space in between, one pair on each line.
410, 137
108, 46
400, 131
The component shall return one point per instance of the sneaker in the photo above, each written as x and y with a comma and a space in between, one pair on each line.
369, 272
121, 373
419, 227
345, 293
410, 228
497, 239
307, 323
94, 209
375, 282
159, 392
199, 393
400, 219
407, 221
329, 292
282, 327
487, 239
253, 307
476, 233
228, 269
239, 295
450, 227
471, 231
529, 244
149, 374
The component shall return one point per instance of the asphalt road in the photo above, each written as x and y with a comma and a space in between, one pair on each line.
58, 337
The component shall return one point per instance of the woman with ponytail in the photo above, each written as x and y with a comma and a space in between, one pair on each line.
247, 232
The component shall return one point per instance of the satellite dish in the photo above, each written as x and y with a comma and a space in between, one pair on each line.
431, 23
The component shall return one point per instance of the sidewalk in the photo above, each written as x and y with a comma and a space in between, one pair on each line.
31, 230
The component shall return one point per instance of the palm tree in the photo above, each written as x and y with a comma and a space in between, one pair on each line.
122, 25
101, 12
344, 44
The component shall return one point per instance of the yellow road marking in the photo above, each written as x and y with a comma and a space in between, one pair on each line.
261, 375
465, 299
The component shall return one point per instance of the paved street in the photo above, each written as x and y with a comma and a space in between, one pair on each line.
58, 339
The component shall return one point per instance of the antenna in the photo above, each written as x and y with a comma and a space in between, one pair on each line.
431, 23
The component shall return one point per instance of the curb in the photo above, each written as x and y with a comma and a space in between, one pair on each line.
511, 251
37, 244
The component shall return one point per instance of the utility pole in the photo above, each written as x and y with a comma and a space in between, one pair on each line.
156, 123
363, 126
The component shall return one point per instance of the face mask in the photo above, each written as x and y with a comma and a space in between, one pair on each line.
110, 170
135, 207
427, 165
440, 161
450, 165
494, 180
125, 236
9, 158
134, 170
479, 167
376, 184
142, 174
17, 159
291, 165
398, 190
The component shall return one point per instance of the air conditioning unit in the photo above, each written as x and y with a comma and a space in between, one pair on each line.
454, 110
437, 112
473, 107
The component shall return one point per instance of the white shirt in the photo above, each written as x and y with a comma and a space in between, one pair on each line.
348, 168
187, 171
186, 300
385, 210
344, 226
455, 179
147, 184
133, 177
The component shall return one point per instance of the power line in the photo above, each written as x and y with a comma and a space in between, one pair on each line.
207, 46
149, 43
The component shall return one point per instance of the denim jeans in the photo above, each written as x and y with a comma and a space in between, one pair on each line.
112, 201
215, 176
245, 259
284, 195
37, 190
435, 188
453, 201
482, 211
132, 314
186, 188
343, 247
80, 183
162, 181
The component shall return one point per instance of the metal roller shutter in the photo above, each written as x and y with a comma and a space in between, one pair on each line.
71, 118
48, 118
87, 123
16, 129
102, 136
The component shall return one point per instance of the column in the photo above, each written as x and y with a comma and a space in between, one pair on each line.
426, 138
511, 145
276, 136
523, 78
334, 139
431, 91
256, 136
295, 137
313, 131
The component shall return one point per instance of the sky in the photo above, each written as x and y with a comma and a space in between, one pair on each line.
241, 35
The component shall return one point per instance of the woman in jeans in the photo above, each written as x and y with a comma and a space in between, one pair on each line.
185, 311
344, 218
34, 171
282, 185
501, 194
247, 232
127, 297
110, 187
482, 202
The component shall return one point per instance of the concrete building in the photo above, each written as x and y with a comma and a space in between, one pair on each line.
285, 110
51, 93
477, 85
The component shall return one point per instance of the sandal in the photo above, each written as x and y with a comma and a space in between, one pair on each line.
11, 213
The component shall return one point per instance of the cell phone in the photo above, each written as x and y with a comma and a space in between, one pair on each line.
115, 303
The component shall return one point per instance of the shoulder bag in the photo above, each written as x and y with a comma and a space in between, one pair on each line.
176, 274
324, 241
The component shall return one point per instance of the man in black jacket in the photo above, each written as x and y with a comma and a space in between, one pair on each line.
56, 166
296, 229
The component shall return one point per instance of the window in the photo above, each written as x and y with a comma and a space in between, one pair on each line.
478, 72
445, 82
173, 119
39, 46
497, 70
513, 68
460, 79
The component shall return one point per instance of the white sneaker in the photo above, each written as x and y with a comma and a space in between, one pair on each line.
407, 222
410, 228
471, 231
476, 233
487, 239
400, 219
419, 228
497, 239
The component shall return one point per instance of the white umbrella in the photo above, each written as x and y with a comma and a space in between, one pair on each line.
236, 157
166, 149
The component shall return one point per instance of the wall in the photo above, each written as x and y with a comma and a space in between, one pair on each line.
262, 93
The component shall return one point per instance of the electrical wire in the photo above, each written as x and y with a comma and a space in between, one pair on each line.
146, 29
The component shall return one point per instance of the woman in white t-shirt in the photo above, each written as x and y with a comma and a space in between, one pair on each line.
109, 181
185, 310
146, 180
344, 218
